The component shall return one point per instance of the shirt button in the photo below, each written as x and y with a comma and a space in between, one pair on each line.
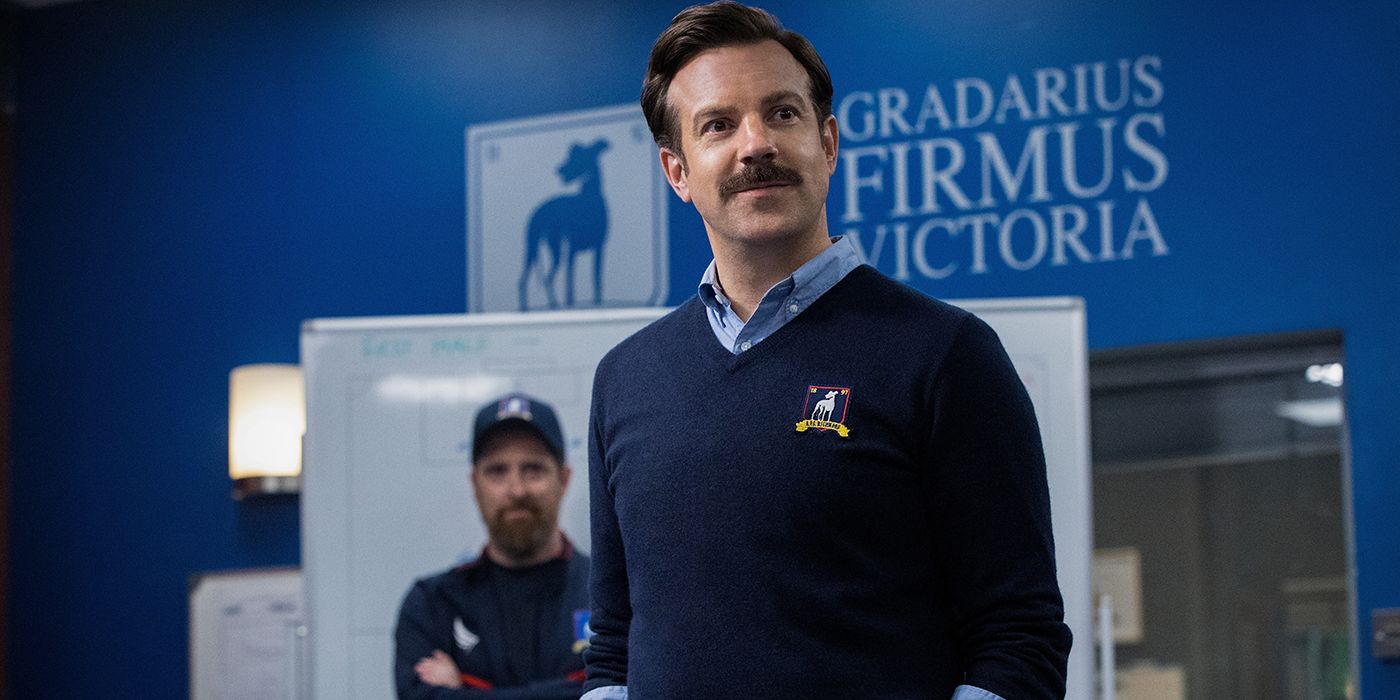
745, 346
793, 308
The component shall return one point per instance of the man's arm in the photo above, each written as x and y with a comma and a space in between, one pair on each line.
413, 643
414, 649
991, 513
606, 655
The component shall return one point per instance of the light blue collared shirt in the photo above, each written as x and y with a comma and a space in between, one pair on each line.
619, 692
780, 304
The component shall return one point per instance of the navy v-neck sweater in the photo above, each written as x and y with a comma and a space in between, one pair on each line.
735, 555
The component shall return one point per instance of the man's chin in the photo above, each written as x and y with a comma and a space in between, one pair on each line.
520, 538
766, 229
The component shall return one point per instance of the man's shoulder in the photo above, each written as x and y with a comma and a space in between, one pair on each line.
430, 595
659, 333
453, 579
576, 575
880, 295
577, 561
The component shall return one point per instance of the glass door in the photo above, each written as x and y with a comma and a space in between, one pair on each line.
1221, 519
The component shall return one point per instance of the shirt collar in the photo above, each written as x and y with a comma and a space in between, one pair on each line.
566, 553
807, 282
710, 291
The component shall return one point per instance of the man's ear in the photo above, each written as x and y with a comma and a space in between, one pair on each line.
673, 164
565, 471
830, 139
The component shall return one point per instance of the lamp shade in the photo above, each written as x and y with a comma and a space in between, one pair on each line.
266, 420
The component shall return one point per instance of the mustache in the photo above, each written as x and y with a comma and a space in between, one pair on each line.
529, 504
760, 173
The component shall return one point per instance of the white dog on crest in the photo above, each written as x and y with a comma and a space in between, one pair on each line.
825, 407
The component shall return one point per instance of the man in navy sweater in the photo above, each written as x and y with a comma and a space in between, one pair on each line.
809, 481
511, 624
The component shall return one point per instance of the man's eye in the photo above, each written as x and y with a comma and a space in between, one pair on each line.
716, 126
786, 113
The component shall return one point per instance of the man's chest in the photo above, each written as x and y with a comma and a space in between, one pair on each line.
792, 446
508, 642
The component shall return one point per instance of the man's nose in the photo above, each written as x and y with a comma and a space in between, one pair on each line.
515, 483
756, 141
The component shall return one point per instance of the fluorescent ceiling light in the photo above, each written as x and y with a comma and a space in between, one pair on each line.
1316, 413
440, 389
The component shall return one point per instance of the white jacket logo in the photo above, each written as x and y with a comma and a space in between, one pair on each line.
466, 640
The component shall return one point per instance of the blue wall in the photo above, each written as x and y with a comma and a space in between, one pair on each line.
192, 182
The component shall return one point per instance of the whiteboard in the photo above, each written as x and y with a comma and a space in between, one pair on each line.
386, 493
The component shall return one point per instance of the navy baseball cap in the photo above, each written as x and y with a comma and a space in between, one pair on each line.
519, 410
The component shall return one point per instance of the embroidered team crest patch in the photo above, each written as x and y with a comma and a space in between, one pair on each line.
582, 632
825, 409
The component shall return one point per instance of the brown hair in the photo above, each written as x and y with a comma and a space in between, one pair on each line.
702, 27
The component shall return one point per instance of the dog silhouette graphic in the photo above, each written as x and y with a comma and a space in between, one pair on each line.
567, 225
823, 408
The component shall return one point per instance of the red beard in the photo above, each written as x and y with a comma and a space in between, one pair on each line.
522, 537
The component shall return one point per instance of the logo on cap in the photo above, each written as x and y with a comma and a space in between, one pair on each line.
513, 407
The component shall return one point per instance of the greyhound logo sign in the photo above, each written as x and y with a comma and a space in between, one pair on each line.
565, 211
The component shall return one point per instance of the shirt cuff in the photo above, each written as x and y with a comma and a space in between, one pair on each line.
964, 692
619, 692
